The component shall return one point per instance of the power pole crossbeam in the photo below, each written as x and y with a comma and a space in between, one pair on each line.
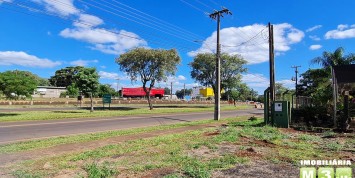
217, 16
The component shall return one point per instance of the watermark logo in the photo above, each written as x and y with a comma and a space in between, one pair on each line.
325, 169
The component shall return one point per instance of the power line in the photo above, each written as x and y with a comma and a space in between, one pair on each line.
103, 9
196, 8
146, 18
31, 9
204, 4
157, 19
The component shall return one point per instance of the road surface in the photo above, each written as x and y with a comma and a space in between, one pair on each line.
21, 131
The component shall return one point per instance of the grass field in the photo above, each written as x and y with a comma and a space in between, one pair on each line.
115, 111
232, 149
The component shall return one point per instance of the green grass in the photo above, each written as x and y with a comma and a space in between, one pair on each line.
125, 111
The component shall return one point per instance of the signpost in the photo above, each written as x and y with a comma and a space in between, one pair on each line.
106, 98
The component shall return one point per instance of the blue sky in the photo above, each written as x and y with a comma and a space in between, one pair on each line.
43, 36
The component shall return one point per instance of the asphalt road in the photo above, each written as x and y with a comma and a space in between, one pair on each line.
21, 131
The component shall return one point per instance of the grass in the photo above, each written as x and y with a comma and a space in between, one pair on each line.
123, 111
194, 153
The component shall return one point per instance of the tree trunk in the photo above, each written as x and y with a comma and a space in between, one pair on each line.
91, 104
147, 93
149, 101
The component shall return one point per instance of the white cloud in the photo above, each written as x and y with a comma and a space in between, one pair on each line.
315, 47
20, 58
259, 82
88, 21
254, 51
105, 41
314, 28
314, 37
181, 77
62, 7
83, 62
342, 32
108, 75
1, 1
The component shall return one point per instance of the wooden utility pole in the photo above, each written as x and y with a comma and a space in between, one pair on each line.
184, 91
217, 110
171, 90
296, 79
272, 63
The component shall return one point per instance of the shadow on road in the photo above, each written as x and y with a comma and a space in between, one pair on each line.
8, 114
111, 108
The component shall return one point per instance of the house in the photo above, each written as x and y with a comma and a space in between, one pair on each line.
48, 92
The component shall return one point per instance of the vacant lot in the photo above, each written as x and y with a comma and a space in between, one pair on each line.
233, 147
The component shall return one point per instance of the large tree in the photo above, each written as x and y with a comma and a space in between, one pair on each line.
329, 59
106, 89
183, 92
14, 84
87, 81
149, 65
65, 77
203, 70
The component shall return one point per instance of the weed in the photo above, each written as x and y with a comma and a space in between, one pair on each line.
334, 146
306, 137
329, 134
95, 171
196, 169
25, 174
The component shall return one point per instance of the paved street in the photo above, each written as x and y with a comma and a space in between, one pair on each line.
18, 131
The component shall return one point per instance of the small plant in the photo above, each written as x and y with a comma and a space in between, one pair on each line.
334, 146
195, 168
329, 134
96, 171
306, 137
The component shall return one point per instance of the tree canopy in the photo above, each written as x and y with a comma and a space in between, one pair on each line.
149, 65
14, 84
65, 77
203, 70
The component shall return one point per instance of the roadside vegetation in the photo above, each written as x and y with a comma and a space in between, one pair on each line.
206, 152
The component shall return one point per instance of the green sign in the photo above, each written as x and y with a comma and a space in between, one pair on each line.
106, 98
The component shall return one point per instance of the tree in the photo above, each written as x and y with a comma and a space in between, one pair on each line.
329, 59
234, 95
150, 65
87, 81
183, 92
65, 77
167, 91
203, 70
106, 89
14, 84
316, 84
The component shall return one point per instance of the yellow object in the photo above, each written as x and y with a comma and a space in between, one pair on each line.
206, 92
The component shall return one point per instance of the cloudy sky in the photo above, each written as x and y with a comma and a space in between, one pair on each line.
43, 36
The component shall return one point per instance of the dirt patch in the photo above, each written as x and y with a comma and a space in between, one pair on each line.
259, 168
157, 173
208, 134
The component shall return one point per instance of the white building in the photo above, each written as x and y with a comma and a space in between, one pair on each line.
48, 92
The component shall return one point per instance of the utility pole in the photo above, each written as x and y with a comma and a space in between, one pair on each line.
296, 72
171, 90
272, 63
184, 91
296, 93
217, 16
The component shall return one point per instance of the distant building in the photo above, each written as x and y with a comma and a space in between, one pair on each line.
207, 92
139, 92
195, 92
48, 92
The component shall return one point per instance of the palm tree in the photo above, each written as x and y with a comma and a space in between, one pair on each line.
329, 59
